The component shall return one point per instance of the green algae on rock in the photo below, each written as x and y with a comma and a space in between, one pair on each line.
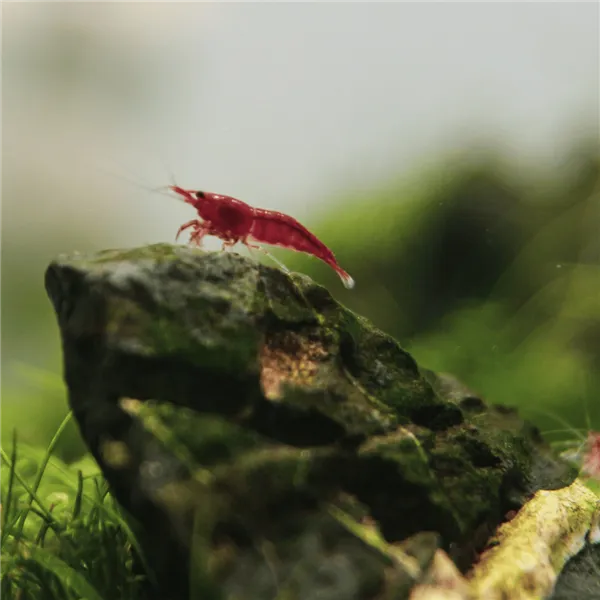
246, 403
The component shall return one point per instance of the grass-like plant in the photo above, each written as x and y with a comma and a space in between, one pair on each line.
63, 535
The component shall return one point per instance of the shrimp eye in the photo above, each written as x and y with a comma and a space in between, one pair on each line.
199, 195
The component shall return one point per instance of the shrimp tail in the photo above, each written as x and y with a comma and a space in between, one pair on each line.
278, 229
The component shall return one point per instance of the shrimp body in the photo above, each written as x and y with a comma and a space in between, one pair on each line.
235, 221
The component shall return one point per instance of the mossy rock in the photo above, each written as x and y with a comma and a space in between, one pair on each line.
253, 425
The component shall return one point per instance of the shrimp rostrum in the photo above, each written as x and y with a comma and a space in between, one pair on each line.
234, 221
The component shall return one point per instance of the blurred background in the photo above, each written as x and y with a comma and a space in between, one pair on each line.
447, 153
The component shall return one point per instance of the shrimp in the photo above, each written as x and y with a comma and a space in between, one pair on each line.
234, 221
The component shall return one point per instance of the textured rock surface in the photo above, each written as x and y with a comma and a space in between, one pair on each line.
249, 421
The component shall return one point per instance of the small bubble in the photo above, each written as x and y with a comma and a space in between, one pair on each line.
559, 266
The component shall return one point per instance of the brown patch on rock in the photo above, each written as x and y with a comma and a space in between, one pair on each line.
289, 358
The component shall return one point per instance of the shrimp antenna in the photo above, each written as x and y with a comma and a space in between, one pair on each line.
167, 168
163, 190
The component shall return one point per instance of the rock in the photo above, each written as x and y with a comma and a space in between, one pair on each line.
251, 424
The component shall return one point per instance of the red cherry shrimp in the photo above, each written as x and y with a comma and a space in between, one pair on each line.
234, 221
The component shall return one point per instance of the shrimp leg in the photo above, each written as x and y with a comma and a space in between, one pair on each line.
192, 223
196, 237
228, 244
275, 260
200, 230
